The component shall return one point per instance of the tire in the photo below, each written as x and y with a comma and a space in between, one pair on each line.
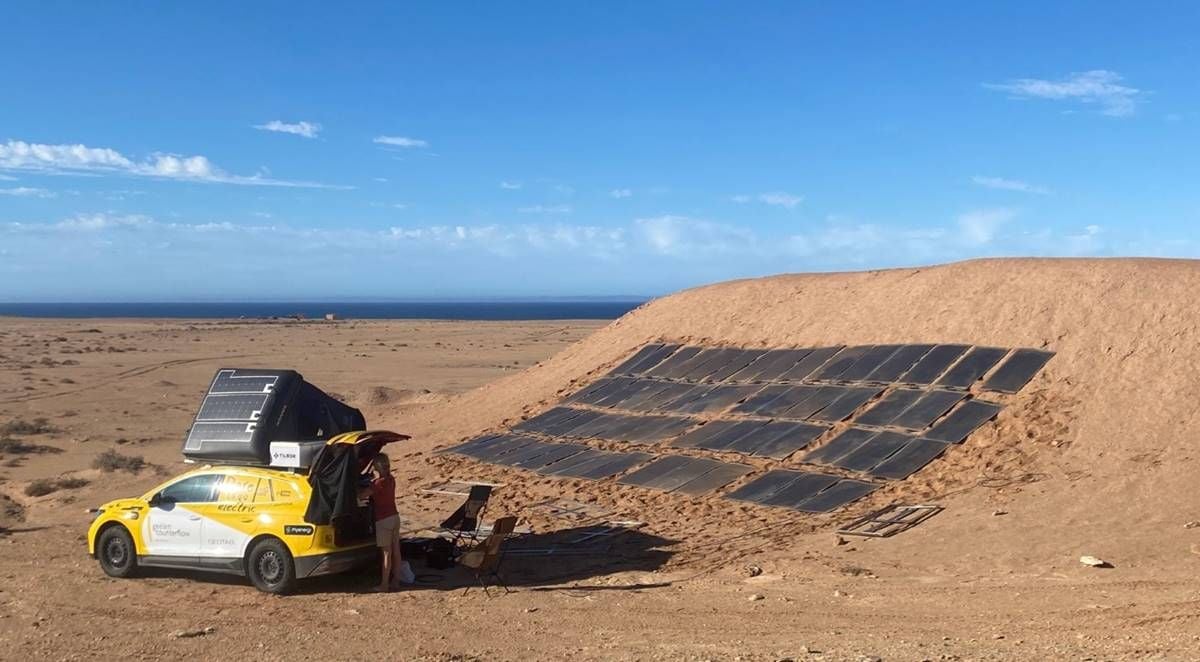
270, 567
116, 553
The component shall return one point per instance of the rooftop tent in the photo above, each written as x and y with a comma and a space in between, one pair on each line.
245, 410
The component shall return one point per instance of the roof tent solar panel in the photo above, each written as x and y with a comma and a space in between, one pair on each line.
693, 469
715, 359
702, 434
676, 369
765, 395
770, 366
928, 409
626, 366
611, 466
731, 435
933, 364
648, 362
868, 362
792, 397
718, 399
961, 422
971, 367
898, 363
1016, 372
565, 427
804, 487
665, 428
807, 365
824, 396
875, 450
233, 407
889, 407
847, 403
720, 476
841, 362
778, 439
840, 445
738, 361
908, 460
840, 494
679, 357
765, 486
586, 455
242, 381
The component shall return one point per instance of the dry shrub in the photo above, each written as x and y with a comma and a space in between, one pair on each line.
111, 460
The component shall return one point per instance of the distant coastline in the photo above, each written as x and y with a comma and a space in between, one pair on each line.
555, 309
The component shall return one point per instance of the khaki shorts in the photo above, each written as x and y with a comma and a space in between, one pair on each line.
386, 530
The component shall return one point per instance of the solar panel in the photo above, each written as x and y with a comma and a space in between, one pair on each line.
805, 366
847, 403
640, 356
607, 467
654, 401
804, 487
840, 494
500, 446
762, 397
738, 361
232, 407
764, 486
579, 458
867, 363
971, 367
1016, 372
690, 395
554, 454
841, 362
548, 417
692, 470
658, 468
730, 435
770, 365
933, 364
666, 428
653, 359
598, 426
242, 381
717, 359
720, 476
928, 409
702, 434
564, 428
792, 397
844, 443
822, 398
236, 431
618, 397
961, 422
527, 453
908, 460
718, 399
598, 389
681, 355
899, 363
470, 444
778, 439
875, 450
683, 367
628, 424
889, 407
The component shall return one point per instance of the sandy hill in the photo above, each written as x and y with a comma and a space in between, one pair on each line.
1095, 456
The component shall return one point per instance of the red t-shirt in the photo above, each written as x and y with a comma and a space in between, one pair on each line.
383, 497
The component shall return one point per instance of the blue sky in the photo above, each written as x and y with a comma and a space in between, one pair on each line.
307, 150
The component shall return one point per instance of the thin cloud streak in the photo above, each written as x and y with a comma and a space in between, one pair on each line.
1097, 87
303, 129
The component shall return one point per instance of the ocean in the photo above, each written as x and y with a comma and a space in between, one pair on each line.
600, 309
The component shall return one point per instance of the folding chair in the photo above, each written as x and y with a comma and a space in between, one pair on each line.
464, 522
485, 557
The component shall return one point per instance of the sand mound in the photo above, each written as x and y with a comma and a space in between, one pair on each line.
1100, 444
378, 396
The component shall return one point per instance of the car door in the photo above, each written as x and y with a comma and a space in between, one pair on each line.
230, 521
173, 524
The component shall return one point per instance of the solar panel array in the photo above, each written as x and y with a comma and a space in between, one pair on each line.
871, 413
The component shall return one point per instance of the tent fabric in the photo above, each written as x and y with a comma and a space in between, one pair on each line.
334, 480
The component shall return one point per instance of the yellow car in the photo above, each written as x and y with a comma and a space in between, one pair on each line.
270, 524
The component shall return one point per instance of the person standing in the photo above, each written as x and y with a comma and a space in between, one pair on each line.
382, 491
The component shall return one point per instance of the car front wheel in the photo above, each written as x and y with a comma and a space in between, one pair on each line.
270, 566
116, 553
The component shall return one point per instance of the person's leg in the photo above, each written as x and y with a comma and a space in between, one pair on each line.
386, 569
397, 559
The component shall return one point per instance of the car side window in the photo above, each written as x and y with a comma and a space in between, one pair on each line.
237, 489
194, 489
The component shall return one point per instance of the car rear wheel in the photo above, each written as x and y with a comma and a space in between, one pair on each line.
270, 567
116, 553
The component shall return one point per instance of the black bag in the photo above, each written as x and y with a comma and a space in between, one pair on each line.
439, 554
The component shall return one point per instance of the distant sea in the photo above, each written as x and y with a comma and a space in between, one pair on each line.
600, 309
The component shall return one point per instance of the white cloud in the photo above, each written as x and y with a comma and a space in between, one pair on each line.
620, 193
546, 209
1009, 185
682, 236
773, 198
16, 155
399, 141
305, 129
510, 186
27, 192
979, 227
1097, 87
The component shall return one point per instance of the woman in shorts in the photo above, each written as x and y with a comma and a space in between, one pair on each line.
382, 491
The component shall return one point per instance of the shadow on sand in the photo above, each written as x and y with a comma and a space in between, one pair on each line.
546, 561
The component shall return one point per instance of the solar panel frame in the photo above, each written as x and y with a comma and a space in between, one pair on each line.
913, 457
815, 358
1017, 370
837, 495
971, 367
877, 449
933, 364
928, 409
899, 363
960, 423
868, 362
846, 404
889, 407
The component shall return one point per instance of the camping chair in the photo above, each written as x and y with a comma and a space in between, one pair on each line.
464, 523
485, 557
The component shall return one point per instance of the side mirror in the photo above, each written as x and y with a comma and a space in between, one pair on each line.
160, 501
155, 500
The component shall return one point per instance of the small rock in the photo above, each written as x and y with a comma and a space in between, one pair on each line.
353, 612
1191, 525
1094, 562
530, 610
997, 636
753, 570
189, 634
756, 597
870, 658
997, 513
839, 541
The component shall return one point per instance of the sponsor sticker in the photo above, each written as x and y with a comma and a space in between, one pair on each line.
297, 530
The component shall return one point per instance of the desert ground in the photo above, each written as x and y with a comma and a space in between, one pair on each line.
1096, 456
